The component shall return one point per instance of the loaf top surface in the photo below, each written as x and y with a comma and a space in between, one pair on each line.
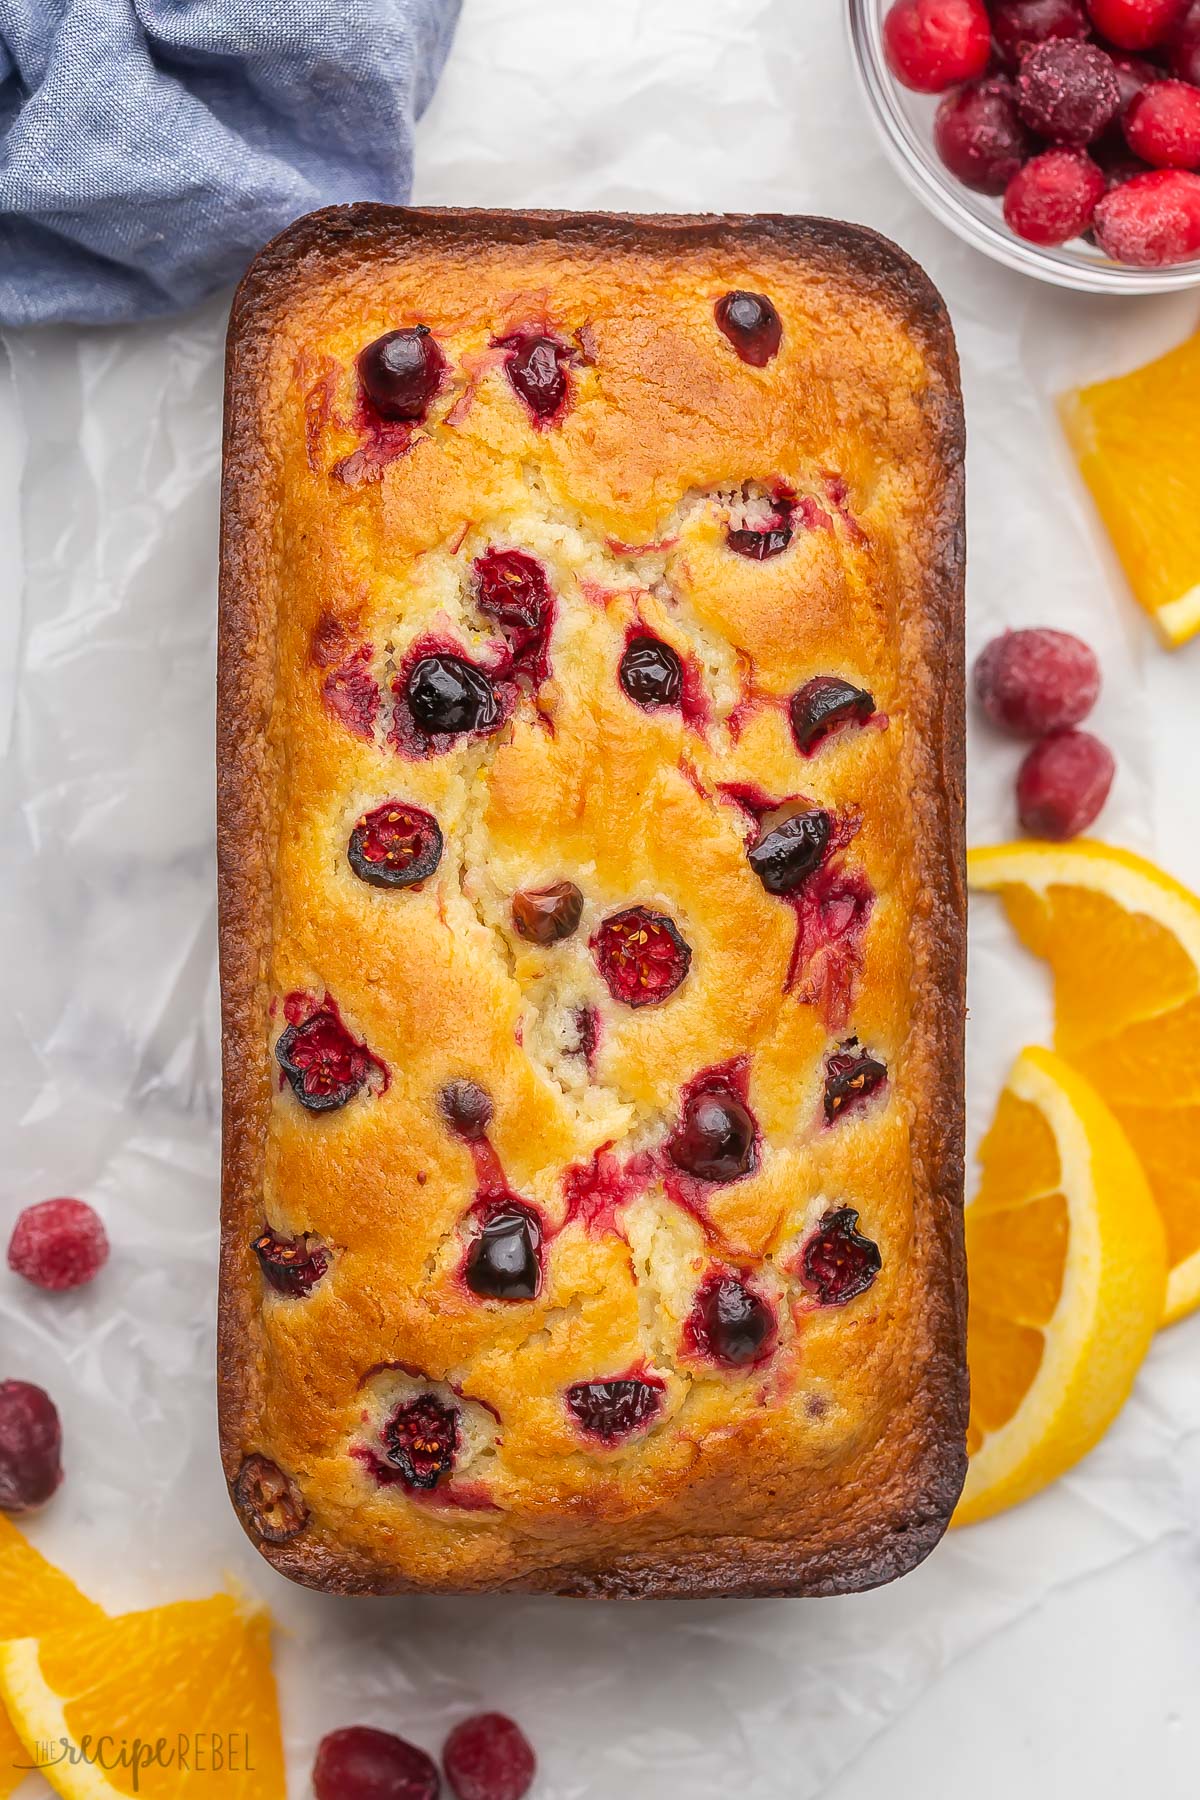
590, 793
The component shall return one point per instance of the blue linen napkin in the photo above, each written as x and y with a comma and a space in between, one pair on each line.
148, 148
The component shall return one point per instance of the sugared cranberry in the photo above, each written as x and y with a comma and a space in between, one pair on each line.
1162, 125
512, 588
824, 705
1184, 52
979, 136
751, 324
1035, 681
467, 1108
613, 1409
786, 856
421, 1440
851, 1075
548, 915
488, 1757
1067, 92
1017, 25
395, 846
503, 1261
359, 1763
716, 1138
58, 1244
761, 542
651, 673
730, 1322
291, 1265
1153, 220
323, 1063
536, 368
269, 1500
931, 44
1063, 784
1054, 197
838, 1263
1135, 24
401, 372
448, 696
641, 956
30, 1447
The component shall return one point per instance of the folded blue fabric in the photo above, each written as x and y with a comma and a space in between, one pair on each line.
148, 148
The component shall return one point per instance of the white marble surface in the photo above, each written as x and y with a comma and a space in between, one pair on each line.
1055, 1650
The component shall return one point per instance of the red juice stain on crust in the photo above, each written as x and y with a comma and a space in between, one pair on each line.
383, 441
595, 1192
351, 693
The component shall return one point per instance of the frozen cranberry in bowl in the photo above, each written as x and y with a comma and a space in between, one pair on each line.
1018, 25
30, 1447
360, 1763
1034, 681
1152, 221
931, 44
58, 1245
1135, 24
1183, 52
1067, 92
1054, 197
1162, 125
979, 135
488, 1757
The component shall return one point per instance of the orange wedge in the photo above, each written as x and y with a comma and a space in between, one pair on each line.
1123, 941
1066, 1263
1137, 442
34, 1596
100, 1696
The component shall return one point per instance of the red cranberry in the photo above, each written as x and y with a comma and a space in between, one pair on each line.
58, 1244
1054, 197
838, 1263
30, 1447
1184, 52
1134, 76
401, 372
788, 855
548, 915
512, 588
1153, 220
395, 846
613, 1409
1017, 25
979, 136
421, 1440
324, 1065
503, 1261
651, 673
716, 1138
931, 44
1031, 682
467, 1108
269, 1501
641, 956
1063, 784
730, 1323
824, 705
1119, 165
535, 366
1135, 24
1162, 125
291, 1265
851, 1075
751, 324
359, 1763
760, 543
489, 1758
449, 696
1067, 92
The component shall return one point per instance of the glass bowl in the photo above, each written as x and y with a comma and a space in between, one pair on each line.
904, 121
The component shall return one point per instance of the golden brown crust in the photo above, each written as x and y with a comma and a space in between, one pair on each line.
841, 1470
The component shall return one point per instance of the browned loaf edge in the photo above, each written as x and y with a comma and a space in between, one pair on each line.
880, 1547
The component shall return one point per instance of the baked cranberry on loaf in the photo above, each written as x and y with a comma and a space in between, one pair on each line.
591, 905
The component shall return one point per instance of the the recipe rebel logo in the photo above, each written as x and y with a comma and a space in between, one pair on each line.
196, 1753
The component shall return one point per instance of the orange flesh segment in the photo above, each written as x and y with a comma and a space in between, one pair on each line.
1017, 1257
1167, 1142
34, 1596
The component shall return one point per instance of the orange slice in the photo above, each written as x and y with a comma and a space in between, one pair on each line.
1137, 442
99, 1697
1123, 941
1067, 1268
34, 1596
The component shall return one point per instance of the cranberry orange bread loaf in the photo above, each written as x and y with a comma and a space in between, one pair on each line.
591, 905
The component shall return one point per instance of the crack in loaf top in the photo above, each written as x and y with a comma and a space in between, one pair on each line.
597, 1110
